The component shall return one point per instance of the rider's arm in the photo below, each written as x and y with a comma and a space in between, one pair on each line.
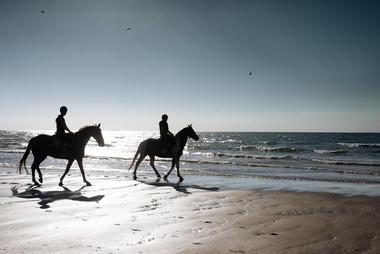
65, 126
167, 130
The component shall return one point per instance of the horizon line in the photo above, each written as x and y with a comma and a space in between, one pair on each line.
220, 131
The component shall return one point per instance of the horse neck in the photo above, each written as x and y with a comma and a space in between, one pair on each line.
83, 136
182, 139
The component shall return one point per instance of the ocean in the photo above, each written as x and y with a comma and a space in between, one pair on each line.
327, 157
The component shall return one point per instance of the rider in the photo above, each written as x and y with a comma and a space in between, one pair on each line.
62, 127
167, 137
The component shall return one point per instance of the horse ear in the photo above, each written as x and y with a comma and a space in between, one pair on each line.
99, 125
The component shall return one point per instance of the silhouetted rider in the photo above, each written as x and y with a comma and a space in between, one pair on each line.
164, 127
167, 137
62, 127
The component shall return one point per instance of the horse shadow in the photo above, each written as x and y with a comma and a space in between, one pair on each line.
178, 186
47, 197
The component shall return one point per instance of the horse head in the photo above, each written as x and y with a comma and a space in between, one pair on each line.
191, 133
96, 133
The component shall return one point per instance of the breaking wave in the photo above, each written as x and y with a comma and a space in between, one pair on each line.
353, 163
330, 151
356, 145
249, 156
271, 149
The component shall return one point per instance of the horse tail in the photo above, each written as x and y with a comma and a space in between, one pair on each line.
23, 160
134, 158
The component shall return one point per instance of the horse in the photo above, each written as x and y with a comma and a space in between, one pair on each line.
43, 146
153, 147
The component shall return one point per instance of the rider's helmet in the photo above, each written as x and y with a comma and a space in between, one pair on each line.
164, 117
63, 109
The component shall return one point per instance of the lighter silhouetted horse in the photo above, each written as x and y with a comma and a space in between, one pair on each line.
42, 146
153, 147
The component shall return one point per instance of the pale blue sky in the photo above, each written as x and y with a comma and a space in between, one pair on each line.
316, 64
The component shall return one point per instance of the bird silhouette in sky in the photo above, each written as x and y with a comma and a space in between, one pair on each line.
251, 74
128, 29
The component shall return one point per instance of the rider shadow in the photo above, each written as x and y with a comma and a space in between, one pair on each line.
179, 186
48, 197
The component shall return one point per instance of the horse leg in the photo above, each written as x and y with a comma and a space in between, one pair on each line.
139, 160
38, 168
178, 174
154, 168
80, 164
34, 166
167, 174
66, 171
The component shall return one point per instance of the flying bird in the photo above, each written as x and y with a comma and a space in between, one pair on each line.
128, 29
42, 11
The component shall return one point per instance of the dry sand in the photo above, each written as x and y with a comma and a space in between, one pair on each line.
119, 215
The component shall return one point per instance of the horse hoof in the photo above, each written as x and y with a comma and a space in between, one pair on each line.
88, 184
165, 177
134, 177
60, 184
41, 181
180, 178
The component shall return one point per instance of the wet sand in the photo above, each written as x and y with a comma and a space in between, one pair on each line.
119, 215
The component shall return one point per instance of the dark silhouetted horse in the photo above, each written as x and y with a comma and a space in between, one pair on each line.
43, 146
154, 147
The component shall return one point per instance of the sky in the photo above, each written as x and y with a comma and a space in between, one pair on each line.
315, 64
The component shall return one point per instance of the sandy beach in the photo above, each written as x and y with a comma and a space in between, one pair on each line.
119, 215
269, 110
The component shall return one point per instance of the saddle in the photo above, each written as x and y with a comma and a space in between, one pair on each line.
166, 144
57, 142
62, 144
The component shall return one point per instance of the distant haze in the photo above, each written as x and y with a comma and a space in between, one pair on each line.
220, 65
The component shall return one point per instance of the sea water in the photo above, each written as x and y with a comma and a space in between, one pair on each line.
327, 157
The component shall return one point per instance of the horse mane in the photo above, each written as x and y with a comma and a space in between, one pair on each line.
85, 127
181, 131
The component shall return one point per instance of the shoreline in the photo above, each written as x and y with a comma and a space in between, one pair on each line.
119, 215
223, 181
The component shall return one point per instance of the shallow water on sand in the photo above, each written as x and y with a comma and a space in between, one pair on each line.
322, 157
